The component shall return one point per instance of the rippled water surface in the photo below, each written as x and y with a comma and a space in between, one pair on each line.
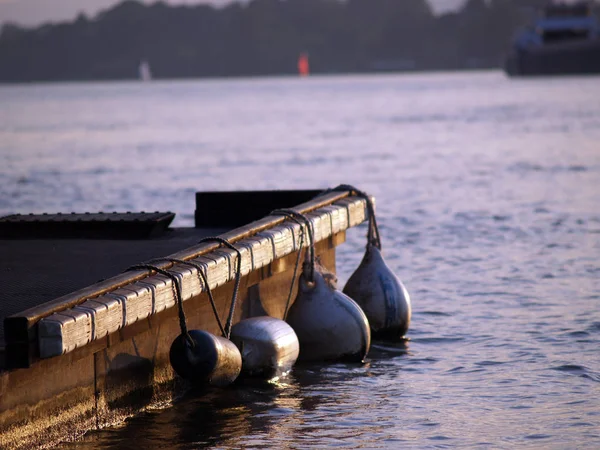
488, 195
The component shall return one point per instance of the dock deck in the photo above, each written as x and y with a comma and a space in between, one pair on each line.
86, 342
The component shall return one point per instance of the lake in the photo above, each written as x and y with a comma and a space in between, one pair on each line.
488, 199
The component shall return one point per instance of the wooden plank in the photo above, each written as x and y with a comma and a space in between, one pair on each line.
161, 289
217, 269
347, 203
247, 264
267, 238
189, 281
106, 313
231, 258
245, 249
262, 251
338, 239
338, 216
143, 293
321, 225
294, 231
281, 239
343, 217
357, 210
135, 307
64, 332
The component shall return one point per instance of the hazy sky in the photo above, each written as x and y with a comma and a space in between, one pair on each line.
34, 12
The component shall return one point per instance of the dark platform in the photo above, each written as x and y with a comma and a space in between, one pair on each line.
129, 225
234, 209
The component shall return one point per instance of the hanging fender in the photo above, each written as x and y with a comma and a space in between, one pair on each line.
329, 324
202, 357
269, 346
381, 295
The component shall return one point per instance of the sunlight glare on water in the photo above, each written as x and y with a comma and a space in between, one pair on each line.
488, 202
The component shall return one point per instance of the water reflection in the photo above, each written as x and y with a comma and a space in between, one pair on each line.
488, 211
314, 404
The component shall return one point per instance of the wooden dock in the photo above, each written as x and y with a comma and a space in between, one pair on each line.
85, 342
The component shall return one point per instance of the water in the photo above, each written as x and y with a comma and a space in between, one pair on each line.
487, 195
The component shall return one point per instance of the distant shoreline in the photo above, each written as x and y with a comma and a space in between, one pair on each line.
261, 38
287, 76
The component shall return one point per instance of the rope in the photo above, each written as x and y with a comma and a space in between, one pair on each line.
203, 279
373, 236
291, 216
175, 280
238, 274
309, 226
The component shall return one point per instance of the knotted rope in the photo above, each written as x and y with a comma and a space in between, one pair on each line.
297, 265
238, 274
225, 330
373, 237
310, 255
179, 298
203, 281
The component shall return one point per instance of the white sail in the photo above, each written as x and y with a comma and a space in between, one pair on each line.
144, 71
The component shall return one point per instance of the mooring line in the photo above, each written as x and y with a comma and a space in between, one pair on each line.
373, 237
204, 280
292, 217
175, 280
309, 226
238, 275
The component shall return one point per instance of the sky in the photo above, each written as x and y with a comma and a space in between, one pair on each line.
35, 12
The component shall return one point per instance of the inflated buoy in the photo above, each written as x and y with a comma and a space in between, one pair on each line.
269, 346
329, 324
202, 357
376, 288
381, 295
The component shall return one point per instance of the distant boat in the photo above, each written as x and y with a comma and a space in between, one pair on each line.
565, 39
144, 71
303, 66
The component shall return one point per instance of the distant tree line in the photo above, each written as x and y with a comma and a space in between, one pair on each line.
262, 37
